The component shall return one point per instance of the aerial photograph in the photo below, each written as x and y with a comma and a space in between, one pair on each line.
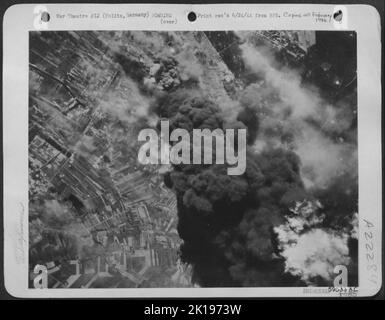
99, 217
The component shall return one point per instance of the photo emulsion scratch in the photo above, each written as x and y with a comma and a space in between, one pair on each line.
171, 159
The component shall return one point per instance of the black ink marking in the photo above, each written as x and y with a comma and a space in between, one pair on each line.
191, 16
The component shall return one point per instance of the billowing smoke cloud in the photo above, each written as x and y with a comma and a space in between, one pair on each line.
239, 230
85, 146
127, 105
301, 101
189, 66
294, 115
56, 232
312, 251
227, 222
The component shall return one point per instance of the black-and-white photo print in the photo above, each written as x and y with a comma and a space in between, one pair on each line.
178, 159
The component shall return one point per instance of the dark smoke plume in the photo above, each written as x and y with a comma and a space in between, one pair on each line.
292, 216
227, 222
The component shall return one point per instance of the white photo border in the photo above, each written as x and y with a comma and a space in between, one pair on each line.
19, 20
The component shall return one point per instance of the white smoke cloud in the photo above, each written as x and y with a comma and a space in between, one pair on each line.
322, 158
315, 254
188, 65
302, 101
85, 146
57, 217
285, 106
311, 251
125, 103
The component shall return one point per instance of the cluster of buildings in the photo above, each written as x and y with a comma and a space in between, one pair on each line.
83, 153
293, 43
128, 212
126, 264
